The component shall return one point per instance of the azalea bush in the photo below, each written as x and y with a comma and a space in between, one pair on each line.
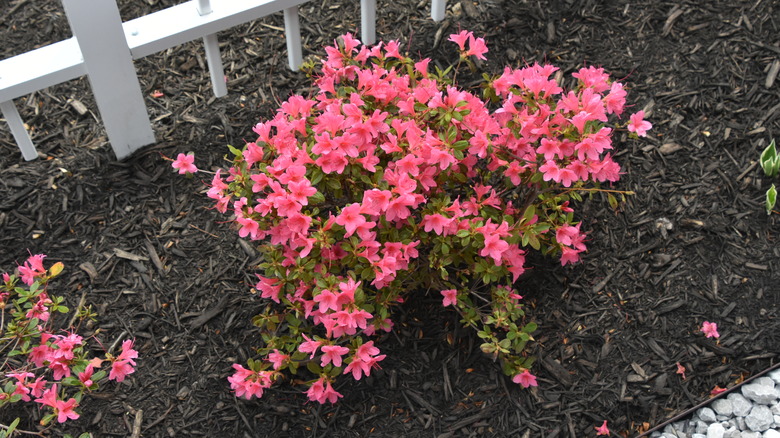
390, 180
43, 364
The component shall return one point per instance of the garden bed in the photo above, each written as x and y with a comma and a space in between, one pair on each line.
159, 265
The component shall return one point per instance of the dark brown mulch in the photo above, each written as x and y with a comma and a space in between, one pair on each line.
160, 266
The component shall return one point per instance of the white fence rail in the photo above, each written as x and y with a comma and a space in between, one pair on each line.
103, 48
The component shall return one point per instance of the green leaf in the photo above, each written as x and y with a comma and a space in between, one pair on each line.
316, 176
317, 198
771, 199
769, 161
12, 427
612, 201
314, 368
56, 269
530, 327
529, 213
235, 151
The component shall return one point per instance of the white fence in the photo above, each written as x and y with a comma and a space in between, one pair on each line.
103, 48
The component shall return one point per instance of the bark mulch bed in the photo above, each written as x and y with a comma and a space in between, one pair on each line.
161, 266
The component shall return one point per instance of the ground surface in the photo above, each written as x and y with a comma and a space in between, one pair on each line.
610, 329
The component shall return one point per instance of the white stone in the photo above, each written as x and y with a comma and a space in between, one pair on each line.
740, 406
771, 433
732, 432
777, 418
775, 375
722, 406
701, 427
707, 415
760, 391
750, 434
775, 408
698, 435
759, 419
674, 431
741, 423
765, 381
715, 430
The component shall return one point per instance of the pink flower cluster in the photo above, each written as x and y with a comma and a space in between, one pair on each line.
387, 163
61, 355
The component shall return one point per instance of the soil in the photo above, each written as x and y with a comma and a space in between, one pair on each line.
161, 266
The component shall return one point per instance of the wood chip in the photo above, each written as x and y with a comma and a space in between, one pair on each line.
89, 268
558, 371
82, 109
470, 9
154, 257
207, 315
772, 75
669, 148
122, 254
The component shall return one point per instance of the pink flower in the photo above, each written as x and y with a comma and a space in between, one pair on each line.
124, 363
461, 38
710, 329
309, 346
435, 222
350, 218
86, 376
494, 247
49, 397
327, 300
364, 360
316, 390
450, 297
525, 379
366, 351
680, 370
322, 391
185, 163
638, 125
332, 354
277, 359
32, 268
717, 390
477, 47
65, 410
248, 383
602, 430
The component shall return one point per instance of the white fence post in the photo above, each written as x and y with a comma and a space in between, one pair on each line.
98, 28
368, 21
213, 57
438, 8
11, 115
292, 33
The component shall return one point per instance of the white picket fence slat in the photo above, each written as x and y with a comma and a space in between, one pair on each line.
103, 48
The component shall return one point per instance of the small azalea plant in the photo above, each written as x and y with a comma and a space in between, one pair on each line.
390, 180
41, 363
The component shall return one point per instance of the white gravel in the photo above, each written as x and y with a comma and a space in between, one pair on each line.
752, 413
